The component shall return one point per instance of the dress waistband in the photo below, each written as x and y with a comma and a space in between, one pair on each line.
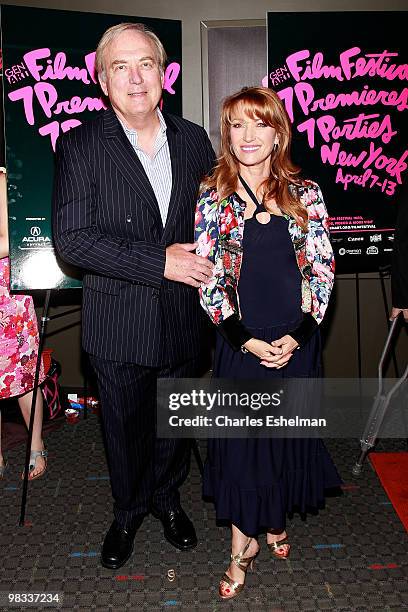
283, 327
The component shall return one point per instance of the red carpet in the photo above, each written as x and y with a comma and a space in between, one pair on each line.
392, 470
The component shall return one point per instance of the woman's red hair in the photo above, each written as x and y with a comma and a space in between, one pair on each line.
264, 104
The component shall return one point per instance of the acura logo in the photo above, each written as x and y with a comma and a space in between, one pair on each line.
35, 231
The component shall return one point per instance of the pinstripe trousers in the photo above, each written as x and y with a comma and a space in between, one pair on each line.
144, 470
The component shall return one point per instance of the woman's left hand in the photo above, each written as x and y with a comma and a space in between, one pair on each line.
287, 345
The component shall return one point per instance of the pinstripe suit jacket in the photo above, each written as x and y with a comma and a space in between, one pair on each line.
107, 221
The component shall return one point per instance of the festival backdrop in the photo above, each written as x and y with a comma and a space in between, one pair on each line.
343, 79
50, 87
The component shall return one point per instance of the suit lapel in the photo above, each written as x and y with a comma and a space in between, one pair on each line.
118, 147
178, 156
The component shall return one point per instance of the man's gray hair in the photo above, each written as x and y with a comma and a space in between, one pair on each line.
114, 31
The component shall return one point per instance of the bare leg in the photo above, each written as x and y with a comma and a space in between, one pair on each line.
239, 541
37, 443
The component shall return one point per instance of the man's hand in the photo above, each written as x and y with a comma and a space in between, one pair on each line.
184, 266
283, 348
395, 312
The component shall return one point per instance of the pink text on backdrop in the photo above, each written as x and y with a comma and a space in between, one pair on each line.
362, 126
375, 156
304, 94
16, 73
305, 66
56, 68
46, 94
351, 65
366, 179
279, 75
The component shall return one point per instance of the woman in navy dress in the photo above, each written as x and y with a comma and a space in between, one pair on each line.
266, 232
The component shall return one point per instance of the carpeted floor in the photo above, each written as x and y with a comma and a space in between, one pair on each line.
353, 556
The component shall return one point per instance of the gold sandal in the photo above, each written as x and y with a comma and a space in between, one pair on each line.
234, 588
275, 546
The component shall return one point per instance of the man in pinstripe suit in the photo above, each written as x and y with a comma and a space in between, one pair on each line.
124, 200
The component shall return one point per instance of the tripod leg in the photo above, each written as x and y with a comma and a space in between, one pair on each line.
44, 320
358, 320
197, 456
86, 391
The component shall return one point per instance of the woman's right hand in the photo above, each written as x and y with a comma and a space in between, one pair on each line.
263, 350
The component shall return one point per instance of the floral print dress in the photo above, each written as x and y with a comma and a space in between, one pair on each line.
18, 339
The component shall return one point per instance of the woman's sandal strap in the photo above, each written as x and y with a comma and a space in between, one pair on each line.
279, 543
235, 586
240, 561
238, 558
34, 456
273, 546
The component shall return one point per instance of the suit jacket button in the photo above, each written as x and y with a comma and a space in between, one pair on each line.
155, 295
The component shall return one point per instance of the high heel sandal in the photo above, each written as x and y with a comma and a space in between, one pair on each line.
274, 547
31, 467
234, 588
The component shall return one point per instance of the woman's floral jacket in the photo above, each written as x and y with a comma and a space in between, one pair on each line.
219, 229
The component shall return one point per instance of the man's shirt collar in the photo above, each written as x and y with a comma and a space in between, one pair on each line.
132, 134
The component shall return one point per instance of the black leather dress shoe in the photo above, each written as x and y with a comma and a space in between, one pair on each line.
178, 529
118, 544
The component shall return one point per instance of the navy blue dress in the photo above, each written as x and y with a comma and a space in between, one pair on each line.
255, 482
